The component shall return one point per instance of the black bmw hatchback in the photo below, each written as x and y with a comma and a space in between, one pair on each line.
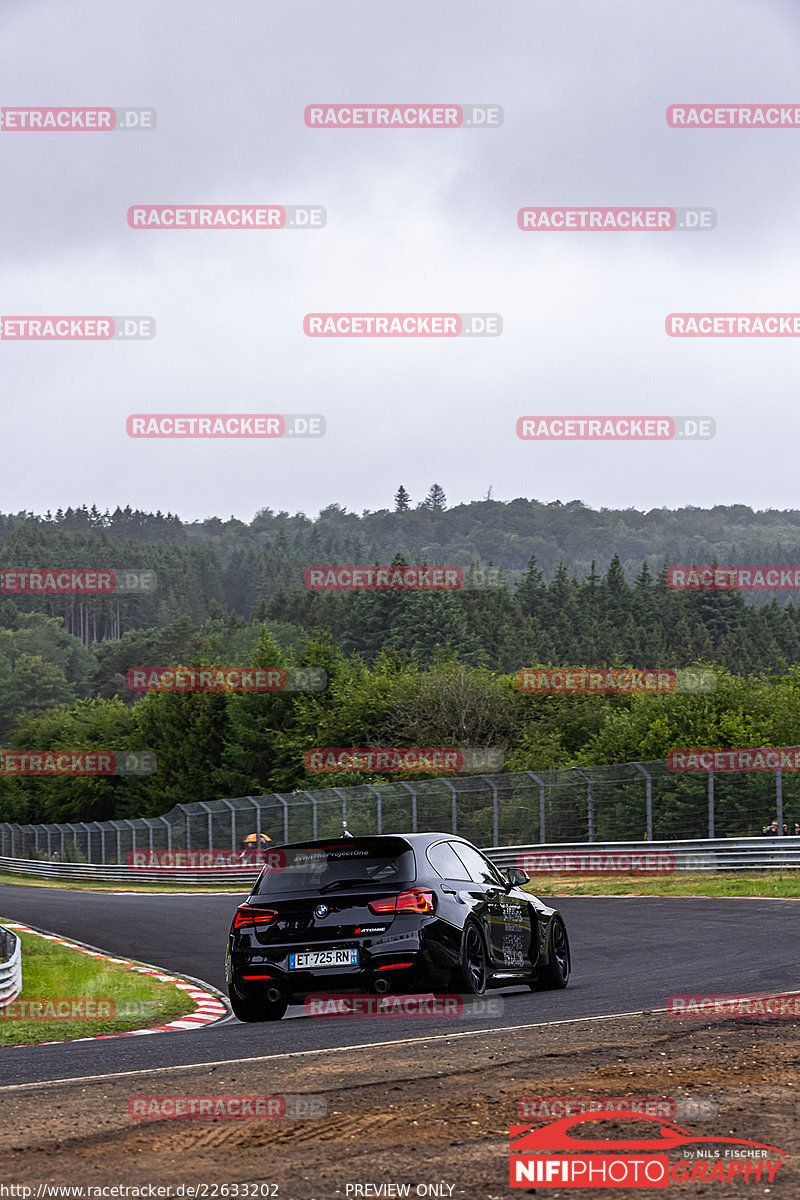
410, 912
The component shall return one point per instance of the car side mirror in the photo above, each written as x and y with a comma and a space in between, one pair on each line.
516, 876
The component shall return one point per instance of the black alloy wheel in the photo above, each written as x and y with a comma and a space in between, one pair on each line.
473, 973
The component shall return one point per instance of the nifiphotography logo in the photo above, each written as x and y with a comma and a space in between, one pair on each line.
581, 1160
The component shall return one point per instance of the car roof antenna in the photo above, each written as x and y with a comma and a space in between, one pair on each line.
344, 828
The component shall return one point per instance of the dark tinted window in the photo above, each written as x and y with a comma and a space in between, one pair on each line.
444, 859
478, 868
330, 866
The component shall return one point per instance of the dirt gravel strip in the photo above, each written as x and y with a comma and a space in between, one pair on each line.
209, 1007
418, 1111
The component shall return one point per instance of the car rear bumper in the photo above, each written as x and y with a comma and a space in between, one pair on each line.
382, 966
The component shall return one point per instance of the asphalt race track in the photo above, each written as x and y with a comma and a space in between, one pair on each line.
629, 955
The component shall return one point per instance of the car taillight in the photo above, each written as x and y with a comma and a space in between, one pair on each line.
245, 915
417, 901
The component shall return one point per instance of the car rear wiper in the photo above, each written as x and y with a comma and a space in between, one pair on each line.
343, 883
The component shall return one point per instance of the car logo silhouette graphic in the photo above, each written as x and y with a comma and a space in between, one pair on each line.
556, 1136
321, 910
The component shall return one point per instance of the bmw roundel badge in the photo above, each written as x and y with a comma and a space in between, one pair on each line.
321, 910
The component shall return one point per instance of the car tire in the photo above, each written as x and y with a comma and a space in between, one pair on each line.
555, 972
252, 1008
535, 955
471, 976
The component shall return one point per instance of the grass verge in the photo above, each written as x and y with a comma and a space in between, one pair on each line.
750, 883
123, 999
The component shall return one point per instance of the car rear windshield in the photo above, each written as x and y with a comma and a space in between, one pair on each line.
326, 866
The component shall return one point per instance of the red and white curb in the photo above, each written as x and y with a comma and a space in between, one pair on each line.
209, 1008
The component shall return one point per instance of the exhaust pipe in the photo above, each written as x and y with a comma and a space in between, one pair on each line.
274, 995
381, 986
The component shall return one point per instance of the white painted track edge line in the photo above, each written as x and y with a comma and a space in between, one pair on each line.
229, 1062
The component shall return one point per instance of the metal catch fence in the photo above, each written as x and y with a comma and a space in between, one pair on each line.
626, 802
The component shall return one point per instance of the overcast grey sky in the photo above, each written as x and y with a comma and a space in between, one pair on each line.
418, 221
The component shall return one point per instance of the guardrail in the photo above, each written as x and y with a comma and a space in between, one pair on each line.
10, 966
97, 873
652, 858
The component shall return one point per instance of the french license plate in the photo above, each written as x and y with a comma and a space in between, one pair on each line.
323, 958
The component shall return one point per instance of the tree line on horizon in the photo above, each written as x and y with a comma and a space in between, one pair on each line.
230, 594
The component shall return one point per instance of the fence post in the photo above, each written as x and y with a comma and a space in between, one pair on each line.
281, 800
649, 801
378, 807
343, 799
711, 804
453, 809
133, 835
413, 804
779, 800
589, 800
169, 832
540, 782
313, 802
495, 823
88, 840
209, 815
257, 807
233, 824
187, 815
